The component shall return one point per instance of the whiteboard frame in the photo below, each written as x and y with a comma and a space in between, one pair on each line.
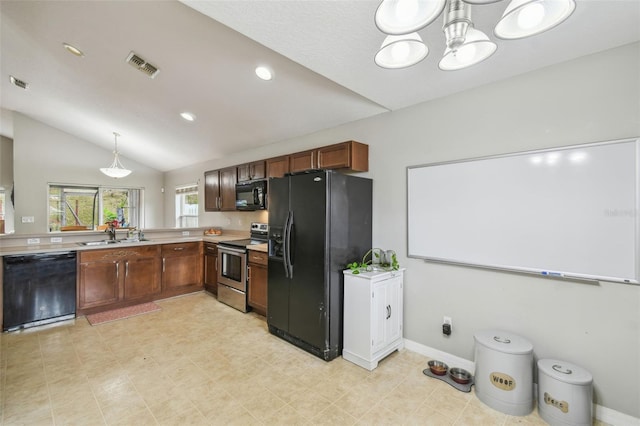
533, 271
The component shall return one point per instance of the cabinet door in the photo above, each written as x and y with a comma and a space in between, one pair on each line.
258, 170
211, 191
228, 178
277, 167
251, 171
346, 155
141, 277
244, 172
393, 325
98, 283
335, 156
181, 266
257, 297
302, 161
211, 268
379, 318
387, 312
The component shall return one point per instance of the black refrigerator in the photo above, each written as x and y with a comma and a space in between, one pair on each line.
318, 222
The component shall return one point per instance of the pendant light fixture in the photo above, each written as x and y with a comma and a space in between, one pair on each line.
465, 44
116, 169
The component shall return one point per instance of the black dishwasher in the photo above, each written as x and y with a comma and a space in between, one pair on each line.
38, 289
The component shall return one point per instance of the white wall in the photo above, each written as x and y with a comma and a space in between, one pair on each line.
6, 179
43, 155
590, 99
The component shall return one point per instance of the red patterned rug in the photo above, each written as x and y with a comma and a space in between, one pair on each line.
118, 314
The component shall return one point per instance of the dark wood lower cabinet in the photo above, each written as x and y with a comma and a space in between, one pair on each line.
181, 267
141, 277
258, 273
119, 277
211, 267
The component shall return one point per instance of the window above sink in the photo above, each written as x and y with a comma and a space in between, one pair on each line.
78, 207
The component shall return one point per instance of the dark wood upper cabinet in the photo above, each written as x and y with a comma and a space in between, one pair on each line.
252, 171
212, 191
228, 179
350, 155
305, 160
220, 185
278, 166
220, 189
346, 155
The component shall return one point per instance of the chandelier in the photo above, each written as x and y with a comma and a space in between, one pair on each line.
465, 44
116, 169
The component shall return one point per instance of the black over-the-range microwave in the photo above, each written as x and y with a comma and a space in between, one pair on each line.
251, 195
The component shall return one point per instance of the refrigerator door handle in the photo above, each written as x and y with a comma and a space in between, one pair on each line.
285, 243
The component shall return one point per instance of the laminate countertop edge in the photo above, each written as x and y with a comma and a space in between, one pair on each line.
77, 246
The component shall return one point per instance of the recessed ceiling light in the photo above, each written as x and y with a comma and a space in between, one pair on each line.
188, 116
72, 49
264, 73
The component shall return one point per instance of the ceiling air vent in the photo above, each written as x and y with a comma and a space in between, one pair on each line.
142, 65
16, 82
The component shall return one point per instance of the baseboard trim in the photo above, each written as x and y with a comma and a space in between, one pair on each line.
604, 414
450, 360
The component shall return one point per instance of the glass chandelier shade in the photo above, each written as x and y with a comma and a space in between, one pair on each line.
476, 48
397, 17
116, 169
401, 51
524, 18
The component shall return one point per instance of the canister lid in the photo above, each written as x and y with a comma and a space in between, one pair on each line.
503, 341
564, 371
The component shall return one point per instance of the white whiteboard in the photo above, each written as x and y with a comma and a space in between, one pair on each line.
570, 212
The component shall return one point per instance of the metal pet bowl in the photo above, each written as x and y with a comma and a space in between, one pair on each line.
438, 368
460, 375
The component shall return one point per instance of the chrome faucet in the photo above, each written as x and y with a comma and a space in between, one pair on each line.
111, 230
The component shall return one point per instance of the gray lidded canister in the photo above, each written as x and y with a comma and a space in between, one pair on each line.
504, 371
565, 393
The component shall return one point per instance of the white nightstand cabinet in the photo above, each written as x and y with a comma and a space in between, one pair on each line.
372, 316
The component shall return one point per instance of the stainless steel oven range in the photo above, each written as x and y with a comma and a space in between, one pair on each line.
232, 267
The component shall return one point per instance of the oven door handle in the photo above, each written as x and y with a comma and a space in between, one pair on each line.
231, 250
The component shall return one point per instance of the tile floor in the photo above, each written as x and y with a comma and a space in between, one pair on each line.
199, 362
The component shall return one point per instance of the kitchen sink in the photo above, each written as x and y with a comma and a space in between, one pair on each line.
99, 243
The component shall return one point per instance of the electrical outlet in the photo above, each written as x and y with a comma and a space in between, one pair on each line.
56, 240
33, 241
28, 219
446, 326
185, 233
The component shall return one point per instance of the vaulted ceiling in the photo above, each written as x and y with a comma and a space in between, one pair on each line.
321, 53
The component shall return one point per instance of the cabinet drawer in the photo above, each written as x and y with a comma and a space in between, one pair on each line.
210, 249
180, 249
258, 257
115, 254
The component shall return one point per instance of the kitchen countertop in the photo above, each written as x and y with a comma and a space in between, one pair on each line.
77, 246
